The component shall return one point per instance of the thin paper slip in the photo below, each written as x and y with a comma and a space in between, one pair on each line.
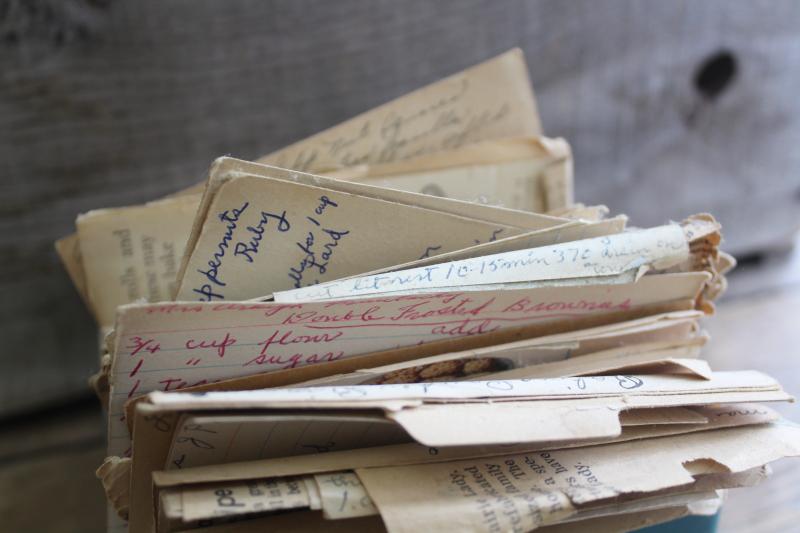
371, 396
598, 259
563, 233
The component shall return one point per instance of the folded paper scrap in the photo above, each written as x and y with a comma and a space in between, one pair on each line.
405, 323
537, 451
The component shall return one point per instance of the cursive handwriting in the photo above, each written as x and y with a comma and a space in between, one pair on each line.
206, 291
220, 345
250, 248
316, 258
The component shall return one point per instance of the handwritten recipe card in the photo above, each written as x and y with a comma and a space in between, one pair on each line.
405, 323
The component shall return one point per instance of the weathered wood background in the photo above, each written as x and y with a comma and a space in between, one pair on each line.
671, 108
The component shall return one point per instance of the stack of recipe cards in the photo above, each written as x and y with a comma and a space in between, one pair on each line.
424, 334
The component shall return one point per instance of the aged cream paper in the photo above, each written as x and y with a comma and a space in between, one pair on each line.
669, 357
529, 174
514, 264
69, 251
563, 233
442, 116
217, 229
598, 259
669, 329
430, 412
312, 522
225, 169
343, 496
154, 432
682, 291
262, 239
256, 496
339, 495
170, 346
497, 150
662, 415
400, 401
491, 100
718, 417
130, 253
529, 490
115, 474
228, 437
579, 211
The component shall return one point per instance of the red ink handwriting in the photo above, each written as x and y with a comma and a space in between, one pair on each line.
174, 308
525, 305
290, 338
416, 311
465, 327
134, 388
138, 344
136, 368
313, 317
294, 360
220, 345
170, 384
